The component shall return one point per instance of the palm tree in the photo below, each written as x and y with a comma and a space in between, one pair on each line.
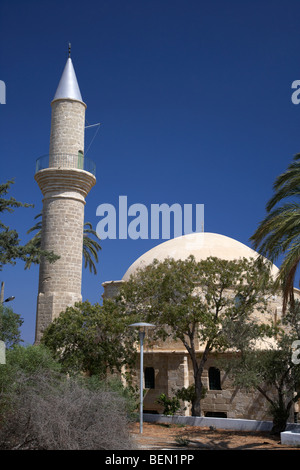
90, 247
279, 233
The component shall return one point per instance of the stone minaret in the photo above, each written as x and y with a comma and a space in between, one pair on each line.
65, 177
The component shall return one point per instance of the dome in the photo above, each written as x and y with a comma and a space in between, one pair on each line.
200, 245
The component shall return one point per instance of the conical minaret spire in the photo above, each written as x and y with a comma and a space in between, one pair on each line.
68, 87
65, 184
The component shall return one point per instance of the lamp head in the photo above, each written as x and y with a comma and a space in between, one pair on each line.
142, 326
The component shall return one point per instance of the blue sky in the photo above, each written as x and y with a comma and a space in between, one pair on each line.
194, 98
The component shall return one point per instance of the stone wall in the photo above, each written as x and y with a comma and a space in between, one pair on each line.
174, 371
67, 128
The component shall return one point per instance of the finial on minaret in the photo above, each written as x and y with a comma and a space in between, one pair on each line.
68, 86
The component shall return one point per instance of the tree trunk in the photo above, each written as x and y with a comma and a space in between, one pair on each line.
198, 371
279, 424
280, 417
196, 403
279, 409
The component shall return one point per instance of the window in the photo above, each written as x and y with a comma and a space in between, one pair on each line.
149, 377
216, 414
214, 378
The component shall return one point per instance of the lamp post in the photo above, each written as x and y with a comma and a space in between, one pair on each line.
142, 332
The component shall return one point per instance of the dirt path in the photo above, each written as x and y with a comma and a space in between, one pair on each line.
174, 436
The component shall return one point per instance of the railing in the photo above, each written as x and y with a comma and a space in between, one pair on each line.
62, 160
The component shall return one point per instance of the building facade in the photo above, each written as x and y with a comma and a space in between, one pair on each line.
167, 365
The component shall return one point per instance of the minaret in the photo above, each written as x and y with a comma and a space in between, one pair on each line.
65, 177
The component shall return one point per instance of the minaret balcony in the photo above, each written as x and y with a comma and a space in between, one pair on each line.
66, 161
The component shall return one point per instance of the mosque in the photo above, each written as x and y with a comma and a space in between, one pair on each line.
65, 178
167, 366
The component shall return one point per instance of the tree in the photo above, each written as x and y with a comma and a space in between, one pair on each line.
25, 360
94, 339
278, 233
273, 372
209, 302
90, 247
10, 324
22, 363
10, 247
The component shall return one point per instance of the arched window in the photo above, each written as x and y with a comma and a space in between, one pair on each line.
214, 378
149, 377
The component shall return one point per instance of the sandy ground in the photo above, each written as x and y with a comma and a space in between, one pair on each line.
174, 436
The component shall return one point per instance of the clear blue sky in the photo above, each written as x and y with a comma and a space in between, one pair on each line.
194, 98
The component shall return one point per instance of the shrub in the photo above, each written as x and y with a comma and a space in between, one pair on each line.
171, 405
51, 413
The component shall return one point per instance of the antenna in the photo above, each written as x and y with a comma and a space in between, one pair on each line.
93, 125
69, 49
89, 126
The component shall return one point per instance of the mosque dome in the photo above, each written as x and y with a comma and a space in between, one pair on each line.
201, 245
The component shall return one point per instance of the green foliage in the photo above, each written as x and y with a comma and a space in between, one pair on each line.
10, 247
113, 384
182, 441
191, 299
10, 324
189, 393
22, 363
26, 360
90, 246
278, 233
272, 371
171, 405
196, 302
94, 339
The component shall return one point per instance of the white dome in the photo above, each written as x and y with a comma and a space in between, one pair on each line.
200, 245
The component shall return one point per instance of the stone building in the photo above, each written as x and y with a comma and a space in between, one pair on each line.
65, 177
167, 366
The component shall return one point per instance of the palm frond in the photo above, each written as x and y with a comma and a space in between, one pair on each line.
279, 232
90, 247
287, 184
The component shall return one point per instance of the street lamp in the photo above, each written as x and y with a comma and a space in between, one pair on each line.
142, 331
8, 299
